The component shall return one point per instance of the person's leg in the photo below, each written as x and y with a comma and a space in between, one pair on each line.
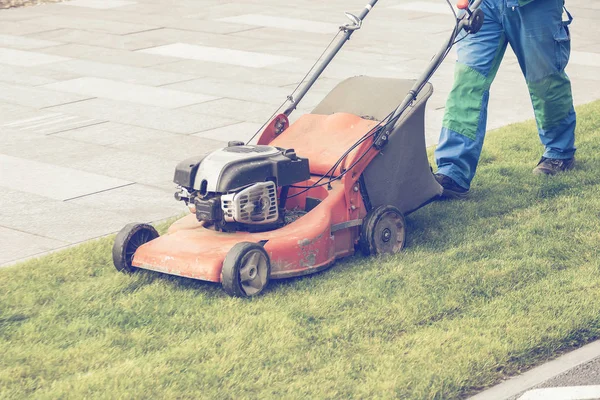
541, 42
465, 119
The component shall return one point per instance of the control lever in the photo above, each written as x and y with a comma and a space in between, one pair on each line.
475, 20
356, 23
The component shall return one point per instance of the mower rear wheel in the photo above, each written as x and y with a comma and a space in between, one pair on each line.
246, 270
383, 231
128, 240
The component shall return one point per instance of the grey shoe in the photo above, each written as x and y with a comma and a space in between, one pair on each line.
552, 166
451, 189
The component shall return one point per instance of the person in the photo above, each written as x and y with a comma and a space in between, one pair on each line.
540, 38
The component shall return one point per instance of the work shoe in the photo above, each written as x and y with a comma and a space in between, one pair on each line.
552, 166
452, 190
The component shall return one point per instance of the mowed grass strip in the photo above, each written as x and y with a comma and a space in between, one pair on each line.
486, 288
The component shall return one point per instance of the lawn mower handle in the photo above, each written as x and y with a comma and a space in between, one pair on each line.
348, 31
466, 22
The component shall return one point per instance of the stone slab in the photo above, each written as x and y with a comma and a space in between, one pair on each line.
55, 219
176, 147
424, 6
113, 134
122, 73
17, 245
23, 58
175, 121
295, 24
90, 24
17, 76
98, 4
241, 91
134, 93
102, 54
52, 181
36, 97
50, 123
585, 58
242, 131
138, 203
230, 73
22, 27
249, 111
130, 165
25, 43
216, 54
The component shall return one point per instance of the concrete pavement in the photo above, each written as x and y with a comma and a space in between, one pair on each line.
99, 99
572, 376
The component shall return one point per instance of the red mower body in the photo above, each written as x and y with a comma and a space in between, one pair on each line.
399, 176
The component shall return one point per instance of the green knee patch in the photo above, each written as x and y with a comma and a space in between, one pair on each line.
463, 107
552, 99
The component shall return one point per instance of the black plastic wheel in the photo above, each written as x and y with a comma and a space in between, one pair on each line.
383, 231
127, 242
246, 270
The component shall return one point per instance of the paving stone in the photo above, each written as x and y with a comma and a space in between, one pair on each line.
295, 24
50, 123
23, 58
216, 54
36, 97
424, 6
24, 43
55, 219
167, 36
17, 245
176, 121
241, 91
231, 73
242, 131
122, 73
22, 27
177, 147
138, 203
101, 54
249, 111
19, 14
90, 24
91, 38
139, 94
98, 4
51, 181
113, 134
585, 58
19, 76
130, 165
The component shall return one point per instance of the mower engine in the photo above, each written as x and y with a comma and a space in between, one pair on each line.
237, 188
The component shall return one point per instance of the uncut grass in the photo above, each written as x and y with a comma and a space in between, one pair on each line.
486, 288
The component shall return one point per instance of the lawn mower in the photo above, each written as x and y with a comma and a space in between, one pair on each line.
306, 194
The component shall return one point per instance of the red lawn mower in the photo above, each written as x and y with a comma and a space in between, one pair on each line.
340, 178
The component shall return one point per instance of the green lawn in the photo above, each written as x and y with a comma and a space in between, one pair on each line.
486, 288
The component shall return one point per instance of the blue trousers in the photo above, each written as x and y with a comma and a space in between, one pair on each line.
540, 39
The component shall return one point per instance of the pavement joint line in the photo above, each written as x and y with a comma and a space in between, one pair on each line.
32, 233
73, 125
142, 31
183, 81
521, 383
100, 191
70, 102
77, 127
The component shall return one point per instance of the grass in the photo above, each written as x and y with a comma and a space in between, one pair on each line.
486, 288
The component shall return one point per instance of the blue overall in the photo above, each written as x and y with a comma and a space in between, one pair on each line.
541, 41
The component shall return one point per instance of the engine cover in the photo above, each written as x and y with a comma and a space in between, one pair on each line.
235, 167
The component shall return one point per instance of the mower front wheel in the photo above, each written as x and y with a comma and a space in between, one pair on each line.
383, 231
246, 270
127, 242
